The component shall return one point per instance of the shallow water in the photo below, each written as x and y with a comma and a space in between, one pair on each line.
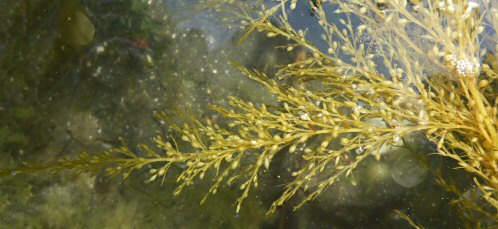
62, 95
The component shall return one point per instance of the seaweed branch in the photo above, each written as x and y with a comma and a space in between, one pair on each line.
421, 73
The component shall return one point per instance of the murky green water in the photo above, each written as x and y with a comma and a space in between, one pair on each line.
88, 76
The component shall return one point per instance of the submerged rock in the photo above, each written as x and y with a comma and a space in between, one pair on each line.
75, 28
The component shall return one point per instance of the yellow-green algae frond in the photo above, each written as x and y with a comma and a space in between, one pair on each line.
422, 71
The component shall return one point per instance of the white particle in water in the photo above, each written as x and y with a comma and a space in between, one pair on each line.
97, 72
149, 59
100, 49
359, 150
210, 39
304, 116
